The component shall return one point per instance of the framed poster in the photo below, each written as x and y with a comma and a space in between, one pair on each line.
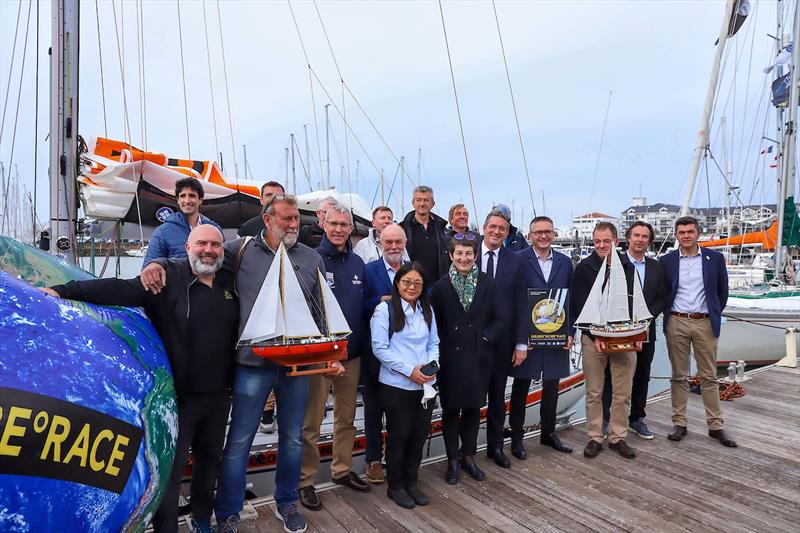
548, 310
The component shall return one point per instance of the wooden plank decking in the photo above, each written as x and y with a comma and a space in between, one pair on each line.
695, 485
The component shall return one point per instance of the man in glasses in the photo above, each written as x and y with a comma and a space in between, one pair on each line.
254, 226
345, 276
378, 279
505, 267
254, 377
427, 235
543, 268
311, 234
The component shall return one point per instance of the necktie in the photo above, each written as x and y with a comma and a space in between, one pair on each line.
490, 264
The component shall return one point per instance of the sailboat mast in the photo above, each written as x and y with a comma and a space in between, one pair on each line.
64, 127
789, 147
702, 133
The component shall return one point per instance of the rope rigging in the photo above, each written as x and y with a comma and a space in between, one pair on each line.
600, 151
140, 57
102, 75
514, 107
211, 81
10, 70
227, 94
311, 86
458, 109
16, 117
183, 77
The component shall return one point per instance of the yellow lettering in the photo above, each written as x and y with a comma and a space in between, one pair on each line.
121, 441
12, 430
55, 438
80, 448
96, 465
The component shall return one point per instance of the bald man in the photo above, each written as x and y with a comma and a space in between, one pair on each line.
196, 315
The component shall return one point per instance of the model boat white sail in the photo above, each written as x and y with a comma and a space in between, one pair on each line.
606, 312
281, 327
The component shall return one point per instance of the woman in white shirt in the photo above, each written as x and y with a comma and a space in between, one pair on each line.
404, 340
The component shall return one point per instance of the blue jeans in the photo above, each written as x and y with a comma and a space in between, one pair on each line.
251, 386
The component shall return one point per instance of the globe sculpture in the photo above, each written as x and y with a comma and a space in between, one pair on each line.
88, 418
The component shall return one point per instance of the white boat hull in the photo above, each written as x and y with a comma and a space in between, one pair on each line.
756, 336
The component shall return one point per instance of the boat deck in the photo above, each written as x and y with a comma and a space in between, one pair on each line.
695, 485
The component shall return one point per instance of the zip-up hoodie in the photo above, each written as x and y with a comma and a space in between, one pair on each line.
345, 276
169, 238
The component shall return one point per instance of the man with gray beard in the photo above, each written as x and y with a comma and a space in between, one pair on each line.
197, 316
249, 261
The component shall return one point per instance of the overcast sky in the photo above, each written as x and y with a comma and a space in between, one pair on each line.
564, 60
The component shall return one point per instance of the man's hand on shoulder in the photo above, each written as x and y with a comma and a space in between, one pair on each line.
153, 277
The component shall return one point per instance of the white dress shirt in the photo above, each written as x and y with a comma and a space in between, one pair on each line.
485, 258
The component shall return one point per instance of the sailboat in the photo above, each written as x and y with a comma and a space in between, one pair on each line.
607, 313
281, 328
756, 317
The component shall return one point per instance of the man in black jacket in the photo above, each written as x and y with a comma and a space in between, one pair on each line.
196, 316
595, 359
427, 236
654, 287
255, 225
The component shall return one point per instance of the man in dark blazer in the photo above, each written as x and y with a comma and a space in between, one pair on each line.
504, 266
654, 286
698, 292
542, 268
378, 278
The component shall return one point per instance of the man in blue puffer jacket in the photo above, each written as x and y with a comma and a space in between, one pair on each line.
169, 239
344, 272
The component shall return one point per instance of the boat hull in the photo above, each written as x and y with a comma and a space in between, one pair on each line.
303, 354
757, 337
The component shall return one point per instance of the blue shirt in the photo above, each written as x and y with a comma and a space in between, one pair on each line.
639, 265
389, 270
690, 296
415, 345
545, 263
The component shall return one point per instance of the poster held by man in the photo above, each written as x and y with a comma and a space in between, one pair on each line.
549, 318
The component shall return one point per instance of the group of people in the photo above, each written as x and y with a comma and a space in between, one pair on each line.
433, 308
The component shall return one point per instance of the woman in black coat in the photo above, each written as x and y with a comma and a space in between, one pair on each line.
470, 321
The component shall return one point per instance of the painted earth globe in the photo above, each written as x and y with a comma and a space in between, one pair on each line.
88, 418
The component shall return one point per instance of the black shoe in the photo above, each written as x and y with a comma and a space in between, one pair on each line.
555, 443
722, 437
499, 458
401, 498
468, 465
622, 448
592, 449
309, 498
353, 481
453, 471
518, 449
677, 433
418, 496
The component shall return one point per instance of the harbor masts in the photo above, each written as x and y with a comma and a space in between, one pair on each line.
327, 148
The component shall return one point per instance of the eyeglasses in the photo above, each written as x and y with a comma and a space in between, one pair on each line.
407, 283
338, 225
464, 236
279, 198
544, 233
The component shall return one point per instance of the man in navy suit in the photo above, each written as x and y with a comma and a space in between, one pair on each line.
378, 278
542, 268
698, 292
504, 266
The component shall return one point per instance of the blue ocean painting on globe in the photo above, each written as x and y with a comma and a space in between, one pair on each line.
88, 418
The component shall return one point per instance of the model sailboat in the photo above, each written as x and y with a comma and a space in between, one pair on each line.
281, 328
607, 313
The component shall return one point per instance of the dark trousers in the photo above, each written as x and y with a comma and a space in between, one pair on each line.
202, 418
407, 425
496, 409
547, 407
641, 378
373, 418
463, 424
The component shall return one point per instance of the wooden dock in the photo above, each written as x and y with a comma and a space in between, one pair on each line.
694, 485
